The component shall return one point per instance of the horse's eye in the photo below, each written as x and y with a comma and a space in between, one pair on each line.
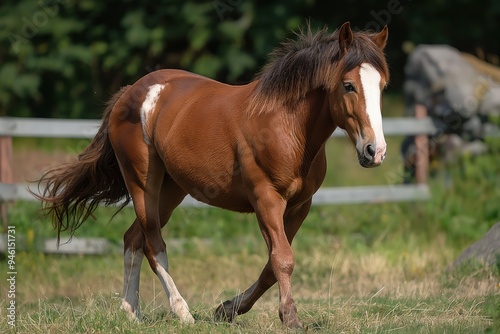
349, 87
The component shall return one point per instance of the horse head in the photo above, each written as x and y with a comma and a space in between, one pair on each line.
355, 104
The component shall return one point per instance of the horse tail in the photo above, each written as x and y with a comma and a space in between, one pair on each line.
73, 190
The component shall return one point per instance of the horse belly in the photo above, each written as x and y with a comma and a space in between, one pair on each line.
217, 188
220, 187
210, 175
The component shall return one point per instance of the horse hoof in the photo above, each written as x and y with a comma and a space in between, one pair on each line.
294, 324
225, 312
187, 319
181, 310
133, 314
290, 320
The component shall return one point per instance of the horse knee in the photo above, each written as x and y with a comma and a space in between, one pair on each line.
282, 263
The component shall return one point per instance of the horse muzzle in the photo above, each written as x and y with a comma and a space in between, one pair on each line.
371, 156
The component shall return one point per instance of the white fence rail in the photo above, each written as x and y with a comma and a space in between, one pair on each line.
337, 195
70, 128
64, 128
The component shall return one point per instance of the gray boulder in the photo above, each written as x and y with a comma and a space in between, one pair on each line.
435, 69
445, 81
486, 250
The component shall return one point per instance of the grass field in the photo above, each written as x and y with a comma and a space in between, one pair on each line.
402, 288
381, 268
338, 290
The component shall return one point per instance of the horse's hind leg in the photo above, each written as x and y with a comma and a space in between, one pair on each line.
132, 260
146, 184
171, 196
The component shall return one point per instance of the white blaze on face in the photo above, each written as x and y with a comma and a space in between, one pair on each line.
148, 107
370, 82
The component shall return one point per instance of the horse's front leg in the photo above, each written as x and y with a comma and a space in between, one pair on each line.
244, 302
270, 209
228, 310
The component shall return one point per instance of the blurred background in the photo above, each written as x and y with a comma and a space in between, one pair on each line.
377, 267
64, 58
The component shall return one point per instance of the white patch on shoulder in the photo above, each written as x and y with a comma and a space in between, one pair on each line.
148, 107
370, 81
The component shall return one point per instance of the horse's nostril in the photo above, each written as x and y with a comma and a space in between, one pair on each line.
370, 150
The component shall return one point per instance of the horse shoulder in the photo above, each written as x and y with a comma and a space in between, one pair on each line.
302, 188
272, 166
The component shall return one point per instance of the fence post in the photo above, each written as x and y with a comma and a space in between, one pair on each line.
5, 174
422, 148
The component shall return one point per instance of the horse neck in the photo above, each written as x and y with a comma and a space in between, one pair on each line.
312, 123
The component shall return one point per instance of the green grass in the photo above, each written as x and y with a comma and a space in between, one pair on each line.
337, 290
101, 315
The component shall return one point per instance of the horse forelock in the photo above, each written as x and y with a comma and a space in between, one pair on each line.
364, 50
310, 62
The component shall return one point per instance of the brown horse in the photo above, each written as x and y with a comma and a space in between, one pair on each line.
257, 148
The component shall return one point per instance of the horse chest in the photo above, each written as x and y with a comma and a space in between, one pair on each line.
302, 188
293, 177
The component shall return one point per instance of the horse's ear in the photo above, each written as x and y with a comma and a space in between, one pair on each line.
345, 37
380, 39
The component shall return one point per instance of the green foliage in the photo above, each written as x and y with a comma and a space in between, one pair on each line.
466, 195
63, 58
